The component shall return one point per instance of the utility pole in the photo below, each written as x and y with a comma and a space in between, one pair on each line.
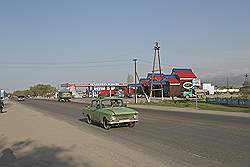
135, 61
227, 84
246, 75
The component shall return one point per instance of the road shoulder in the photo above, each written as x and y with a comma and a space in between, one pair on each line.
32, 138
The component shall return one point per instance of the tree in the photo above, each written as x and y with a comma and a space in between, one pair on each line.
130, 78
21, 92
37, 90
42, 90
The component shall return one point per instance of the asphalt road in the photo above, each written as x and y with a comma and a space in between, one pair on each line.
175, 138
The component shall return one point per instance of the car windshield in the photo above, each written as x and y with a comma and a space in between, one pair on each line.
112, 103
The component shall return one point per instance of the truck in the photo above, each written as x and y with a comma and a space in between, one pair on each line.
63, 96
2, 94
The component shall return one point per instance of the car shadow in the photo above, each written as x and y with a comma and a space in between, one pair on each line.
26, 153
8, 157
84, 120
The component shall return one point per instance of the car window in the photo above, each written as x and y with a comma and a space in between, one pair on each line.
112, 103
93, 104
98, 105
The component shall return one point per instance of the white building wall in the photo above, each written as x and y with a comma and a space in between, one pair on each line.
208, 87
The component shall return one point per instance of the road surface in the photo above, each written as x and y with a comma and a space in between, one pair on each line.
176, 138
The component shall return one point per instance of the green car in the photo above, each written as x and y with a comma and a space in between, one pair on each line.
110, 111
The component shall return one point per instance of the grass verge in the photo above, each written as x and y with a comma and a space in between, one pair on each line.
201, 105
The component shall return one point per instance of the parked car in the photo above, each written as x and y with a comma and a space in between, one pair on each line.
21, 98
130, 95
110, 111
140, 95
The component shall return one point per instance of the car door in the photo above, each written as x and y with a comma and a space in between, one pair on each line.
95, 110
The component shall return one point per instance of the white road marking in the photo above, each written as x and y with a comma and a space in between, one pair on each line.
170, 127
197, 155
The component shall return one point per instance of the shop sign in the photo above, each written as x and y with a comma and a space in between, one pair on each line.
187, 85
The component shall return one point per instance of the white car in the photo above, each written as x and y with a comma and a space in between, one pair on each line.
20, 98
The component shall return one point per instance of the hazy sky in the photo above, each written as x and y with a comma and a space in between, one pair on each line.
58, 41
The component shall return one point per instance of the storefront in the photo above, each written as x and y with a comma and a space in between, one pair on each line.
94, 90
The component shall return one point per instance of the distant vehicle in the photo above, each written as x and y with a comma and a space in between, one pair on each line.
130, 95
2, 94
64, 96
140, 95
120, 94
110, 111
21, 98
1, 104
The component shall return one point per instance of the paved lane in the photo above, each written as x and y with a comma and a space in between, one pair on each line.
175, 138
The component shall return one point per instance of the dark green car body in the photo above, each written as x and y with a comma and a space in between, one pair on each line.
110, 111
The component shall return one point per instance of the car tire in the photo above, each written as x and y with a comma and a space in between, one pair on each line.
106, 124
89, 121
131, 124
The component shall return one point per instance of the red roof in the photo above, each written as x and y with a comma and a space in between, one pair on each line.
145, 82
173, 81
184, 74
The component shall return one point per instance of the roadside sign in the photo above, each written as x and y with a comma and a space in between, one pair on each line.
196, 82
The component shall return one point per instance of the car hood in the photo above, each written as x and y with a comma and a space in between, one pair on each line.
122, 110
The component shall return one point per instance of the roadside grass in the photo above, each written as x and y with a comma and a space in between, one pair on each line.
201, 105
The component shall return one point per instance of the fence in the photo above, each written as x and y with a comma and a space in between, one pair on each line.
229, 101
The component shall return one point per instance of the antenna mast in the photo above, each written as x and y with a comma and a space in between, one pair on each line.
156, 68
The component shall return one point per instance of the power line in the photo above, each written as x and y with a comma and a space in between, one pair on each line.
65, 63
63, 66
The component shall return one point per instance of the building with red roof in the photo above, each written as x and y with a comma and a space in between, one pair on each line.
172, 83
184, 76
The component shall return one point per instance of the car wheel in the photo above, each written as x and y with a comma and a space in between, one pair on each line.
106, 124
131, 124
89, 121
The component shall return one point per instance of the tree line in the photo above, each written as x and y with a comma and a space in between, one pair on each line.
41, 90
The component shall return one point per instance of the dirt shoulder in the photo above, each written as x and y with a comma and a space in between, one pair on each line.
30, 138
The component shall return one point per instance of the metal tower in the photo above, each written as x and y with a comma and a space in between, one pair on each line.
156, 68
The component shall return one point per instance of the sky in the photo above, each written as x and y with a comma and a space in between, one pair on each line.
78, 41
